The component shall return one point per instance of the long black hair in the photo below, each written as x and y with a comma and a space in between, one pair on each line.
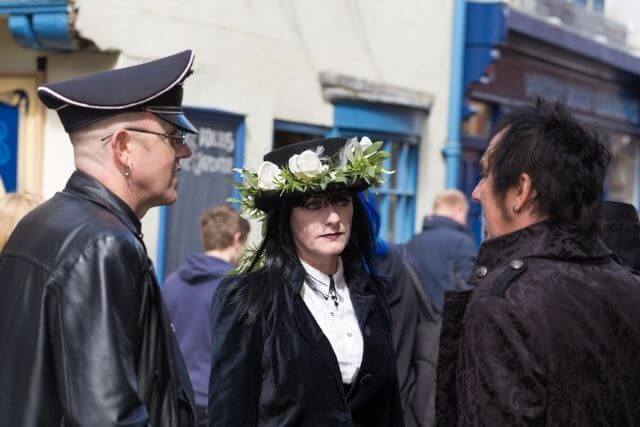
276, 263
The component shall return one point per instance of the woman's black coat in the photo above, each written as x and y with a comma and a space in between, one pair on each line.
281, 370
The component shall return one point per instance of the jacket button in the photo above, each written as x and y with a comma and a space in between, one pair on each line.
366, 380
367, 331
482, 271
516, 264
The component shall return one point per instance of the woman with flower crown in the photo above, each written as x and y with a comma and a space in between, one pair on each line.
301, 335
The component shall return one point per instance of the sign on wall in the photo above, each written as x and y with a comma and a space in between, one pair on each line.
518, 78
204, 181
9, 146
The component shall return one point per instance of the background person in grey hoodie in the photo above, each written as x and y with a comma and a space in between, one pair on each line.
189, 289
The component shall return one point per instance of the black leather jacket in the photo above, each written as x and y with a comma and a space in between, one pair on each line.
84, 335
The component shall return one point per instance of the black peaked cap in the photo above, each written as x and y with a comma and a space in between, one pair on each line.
154, 86
326, 147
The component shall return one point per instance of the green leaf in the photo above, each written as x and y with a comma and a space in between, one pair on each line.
373, 148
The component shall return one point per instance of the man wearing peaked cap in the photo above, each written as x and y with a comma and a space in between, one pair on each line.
84, 334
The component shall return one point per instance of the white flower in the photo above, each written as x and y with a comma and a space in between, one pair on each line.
268, 175
353, 149
306, 165
365, 142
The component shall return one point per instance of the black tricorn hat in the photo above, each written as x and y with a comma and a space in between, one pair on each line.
325, 147
154, 86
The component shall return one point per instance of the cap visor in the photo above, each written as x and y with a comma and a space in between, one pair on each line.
180, 120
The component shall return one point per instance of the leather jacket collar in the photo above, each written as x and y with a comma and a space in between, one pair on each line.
82, 185
540, 240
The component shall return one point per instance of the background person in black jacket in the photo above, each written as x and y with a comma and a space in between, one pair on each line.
445, 251
85, 339
189, 289
303, 336
620, 231
416, 328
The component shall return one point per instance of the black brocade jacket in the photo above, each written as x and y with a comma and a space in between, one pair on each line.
550, 335
84, 336
281, 370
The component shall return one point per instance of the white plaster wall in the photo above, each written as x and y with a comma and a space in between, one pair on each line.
58, 155
261, 59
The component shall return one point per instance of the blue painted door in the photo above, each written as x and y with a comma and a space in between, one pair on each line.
9, 146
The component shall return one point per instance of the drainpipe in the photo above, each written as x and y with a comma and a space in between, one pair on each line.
453, 149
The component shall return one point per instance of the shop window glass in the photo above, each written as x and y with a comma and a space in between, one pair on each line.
285, 133
395, 199
400, 128
401, 192
598, 5
481, 121
594, 5
623, 170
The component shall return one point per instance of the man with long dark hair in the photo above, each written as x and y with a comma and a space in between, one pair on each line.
550, 333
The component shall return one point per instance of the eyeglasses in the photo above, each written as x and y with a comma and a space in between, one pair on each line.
178, 137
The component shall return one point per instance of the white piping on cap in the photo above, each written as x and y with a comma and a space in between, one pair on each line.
119, 107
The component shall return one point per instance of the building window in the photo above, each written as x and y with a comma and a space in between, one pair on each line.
594, 5
624, 171
598, 5
396, 198
285, 132
9, 115
400, 128
476, 130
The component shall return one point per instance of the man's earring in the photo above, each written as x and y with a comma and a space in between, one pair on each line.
128, 169
515, 209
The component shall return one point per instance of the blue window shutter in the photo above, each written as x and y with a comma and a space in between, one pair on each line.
400, 128
9, 146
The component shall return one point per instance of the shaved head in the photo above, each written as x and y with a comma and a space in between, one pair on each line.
87, 146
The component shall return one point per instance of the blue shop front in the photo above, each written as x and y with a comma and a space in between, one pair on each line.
512, 57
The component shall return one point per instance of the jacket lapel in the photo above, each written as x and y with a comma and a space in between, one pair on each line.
361, 300
311, 332
455, 304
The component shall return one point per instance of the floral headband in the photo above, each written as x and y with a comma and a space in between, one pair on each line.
357, 162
